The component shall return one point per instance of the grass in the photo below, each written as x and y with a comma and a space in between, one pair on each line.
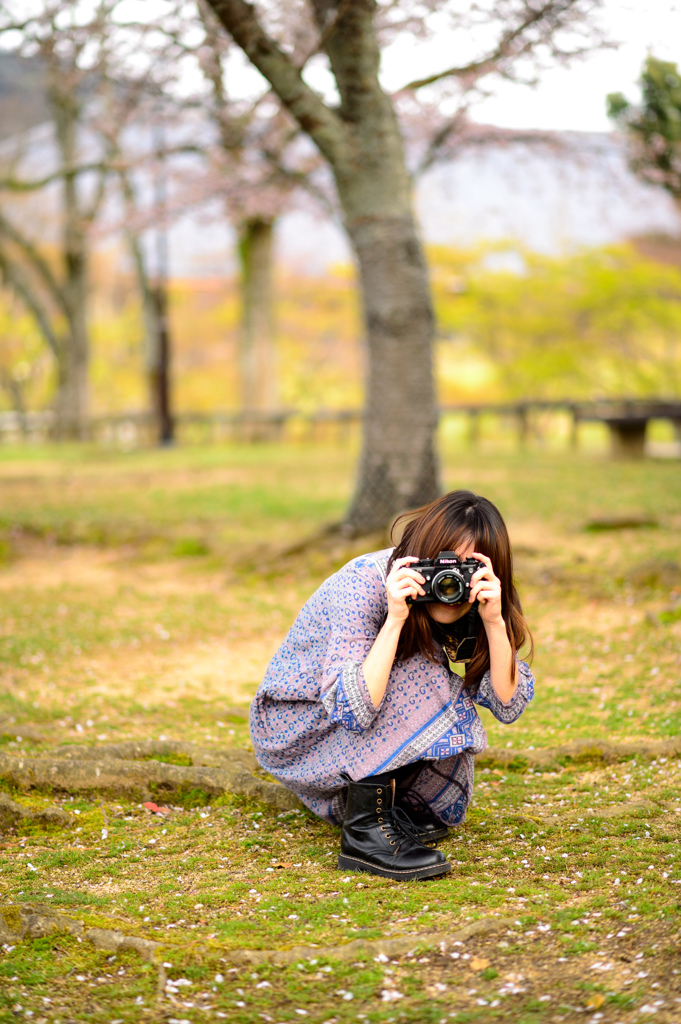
143, 594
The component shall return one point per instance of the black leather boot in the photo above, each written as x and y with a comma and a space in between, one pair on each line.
425, 825
378, 838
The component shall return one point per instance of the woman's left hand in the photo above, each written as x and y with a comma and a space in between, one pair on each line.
486, 590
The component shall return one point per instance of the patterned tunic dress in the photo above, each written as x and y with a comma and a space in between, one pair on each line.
312, 717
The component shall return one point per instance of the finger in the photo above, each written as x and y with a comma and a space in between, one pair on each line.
404, 592
405, 560
486, 581
406, 587
405, 577
413, 574
484, 572
402, 585
486, 586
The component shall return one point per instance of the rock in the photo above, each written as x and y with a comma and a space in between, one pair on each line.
137, 779
22, 732
11, 812
19, 921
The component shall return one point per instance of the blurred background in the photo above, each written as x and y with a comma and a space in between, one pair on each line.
198, 277
172, 251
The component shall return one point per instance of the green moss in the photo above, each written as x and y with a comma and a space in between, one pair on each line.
190, 547
670, 615
182, 796
180, 759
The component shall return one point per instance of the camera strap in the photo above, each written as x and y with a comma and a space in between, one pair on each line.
460, 639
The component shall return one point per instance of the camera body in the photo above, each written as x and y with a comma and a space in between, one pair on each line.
447, 578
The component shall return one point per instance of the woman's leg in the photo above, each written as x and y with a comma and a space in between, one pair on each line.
428, 826
444, 787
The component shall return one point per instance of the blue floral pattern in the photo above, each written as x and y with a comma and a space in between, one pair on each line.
313, 719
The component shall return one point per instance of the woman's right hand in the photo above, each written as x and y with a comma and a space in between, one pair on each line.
402, 582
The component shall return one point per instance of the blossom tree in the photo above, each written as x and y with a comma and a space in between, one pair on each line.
356, 130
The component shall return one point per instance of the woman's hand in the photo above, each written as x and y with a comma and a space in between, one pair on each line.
486, 590
402, 582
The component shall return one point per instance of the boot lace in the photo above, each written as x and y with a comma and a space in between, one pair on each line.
403, 824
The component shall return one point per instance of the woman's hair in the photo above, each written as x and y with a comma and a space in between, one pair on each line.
448, 524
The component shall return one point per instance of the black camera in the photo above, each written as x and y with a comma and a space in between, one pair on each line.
447, 578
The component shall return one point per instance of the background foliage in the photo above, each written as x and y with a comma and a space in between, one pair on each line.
511, 324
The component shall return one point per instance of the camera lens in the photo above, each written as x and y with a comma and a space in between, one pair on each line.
449, 587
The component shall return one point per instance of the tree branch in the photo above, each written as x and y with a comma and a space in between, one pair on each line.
36, 259
17, 185
326, 33
132, 238
18, 281
323, 126
467, 136
511, 44
102, 166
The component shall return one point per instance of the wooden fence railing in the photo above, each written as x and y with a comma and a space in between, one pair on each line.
626, 420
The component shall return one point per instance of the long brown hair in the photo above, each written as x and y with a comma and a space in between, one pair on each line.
452, 522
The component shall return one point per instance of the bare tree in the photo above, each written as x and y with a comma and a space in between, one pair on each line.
358, 134
59, 38
260, 167
95, 95
23, 357
141, 105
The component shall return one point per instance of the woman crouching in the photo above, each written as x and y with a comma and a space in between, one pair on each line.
360, 713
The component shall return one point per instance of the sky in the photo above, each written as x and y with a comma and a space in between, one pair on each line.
572, 98
575, 98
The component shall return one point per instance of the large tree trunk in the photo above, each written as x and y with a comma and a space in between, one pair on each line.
398, 468
257, 364
361, 141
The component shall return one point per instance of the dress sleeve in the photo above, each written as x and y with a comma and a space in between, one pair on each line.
356, 606
487, 697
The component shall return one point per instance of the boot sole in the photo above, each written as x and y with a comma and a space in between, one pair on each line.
355, 864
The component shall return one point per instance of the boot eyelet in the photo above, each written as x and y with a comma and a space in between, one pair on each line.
379, 801
392, 843
379, 790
